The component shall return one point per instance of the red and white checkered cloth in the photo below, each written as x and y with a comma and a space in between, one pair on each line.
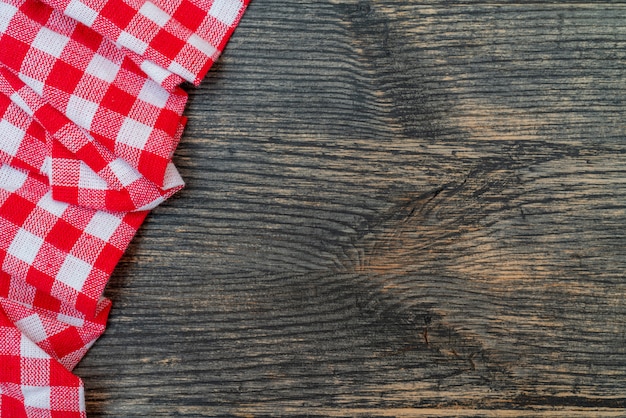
90, 116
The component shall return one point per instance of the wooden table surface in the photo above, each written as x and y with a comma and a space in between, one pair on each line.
393, 208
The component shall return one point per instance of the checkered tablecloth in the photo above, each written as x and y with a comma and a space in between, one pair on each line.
90, 115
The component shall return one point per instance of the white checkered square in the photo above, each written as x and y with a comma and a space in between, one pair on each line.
53, 206
71, 320
11, 179
129, 41
32, 327
7, 11
81, 12
154, 94
36, 396
154, 71
103, 225
202, 45
226, 11
74, 272
81, 111
134, 133
154, 13
102, 68
124, 172
50, 42
10, 137
176, 68
89, 179
29, 349
25, 246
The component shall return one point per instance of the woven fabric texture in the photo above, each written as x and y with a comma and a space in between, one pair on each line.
91, 113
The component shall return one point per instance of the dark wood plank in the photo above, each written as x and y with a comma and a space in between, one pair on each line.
393, 208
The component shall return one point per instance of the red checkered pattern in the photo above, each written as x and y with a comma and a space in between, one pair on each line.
97, 87
90, 116
80, 169
179, 37
66, 251
32, 383
66, 335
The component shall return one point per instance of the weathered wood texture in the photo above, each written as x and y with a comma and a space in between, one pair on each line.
393, 208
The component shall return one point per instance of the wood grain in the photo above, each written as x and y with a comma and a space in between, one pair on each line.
392, 209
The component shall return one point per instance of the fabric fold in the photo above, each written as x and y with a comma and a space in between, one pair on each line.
66, 251
65, 337
32, 384
81, 171
181, 37
95, 85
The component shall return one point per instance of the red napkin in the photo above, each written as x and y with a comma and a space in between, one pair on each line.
90, 116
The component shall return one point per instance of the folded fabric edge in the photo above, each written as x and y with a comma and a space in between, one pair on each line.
233, 11
106, 182
65, 338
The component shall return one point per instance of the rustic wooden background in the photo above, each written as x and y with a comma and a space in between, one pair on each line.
393, 208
